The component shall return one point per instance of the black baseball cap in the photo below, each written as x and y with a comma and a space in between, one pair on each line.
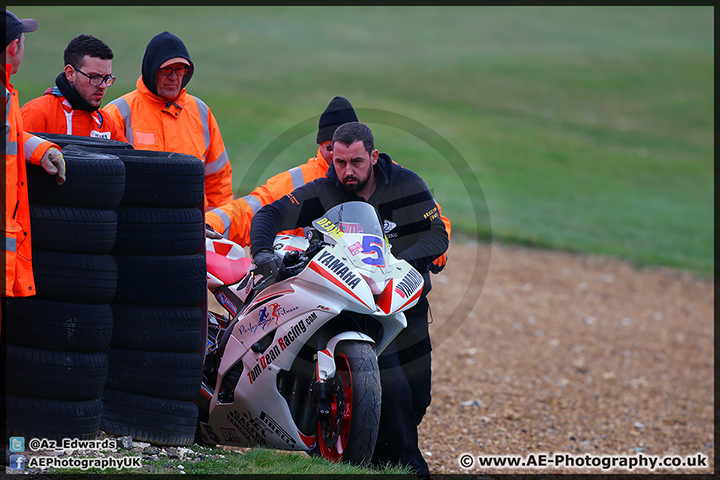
15, 26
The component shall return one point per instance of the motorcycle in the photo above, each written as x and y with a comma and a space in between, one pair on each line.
294, 364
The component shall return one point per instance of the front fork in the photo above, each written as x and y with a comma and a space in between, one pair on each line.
325, 369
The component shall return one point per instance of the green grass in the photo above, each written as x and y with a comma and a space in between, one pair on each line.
588, 129
258, 461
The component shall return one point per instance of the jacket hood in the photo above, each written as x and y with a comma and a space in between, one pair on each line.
161, 48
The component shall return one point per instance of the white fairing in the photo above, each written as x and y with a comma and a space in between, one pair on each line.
354, 272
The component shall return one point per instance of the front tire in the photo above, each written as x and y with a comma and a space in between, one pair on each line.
350, 432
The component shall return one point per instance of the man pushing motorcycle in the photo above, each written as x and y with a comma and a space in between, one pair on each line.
417, 234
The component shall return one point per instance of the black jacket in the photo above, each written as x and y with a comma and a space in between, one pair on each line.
412, 222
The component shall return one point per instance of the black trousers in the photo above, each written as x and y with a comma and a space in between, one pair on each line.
405, 378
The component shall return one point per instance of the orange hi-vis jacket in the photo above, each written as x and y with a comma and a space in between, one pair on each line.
233, 219
53, 113
185, 126
16, 243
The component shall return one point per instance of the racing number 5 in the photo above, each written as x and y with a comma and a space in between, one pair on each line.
372, 244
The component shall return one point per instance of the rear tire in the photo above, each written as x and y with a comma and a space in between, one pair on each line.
350, 432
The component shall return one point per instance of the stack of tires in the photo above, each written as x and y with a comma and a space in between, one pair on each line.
155, 354
55, 343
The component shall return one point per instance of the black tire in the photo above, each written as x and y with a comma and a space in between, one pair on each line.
157, 374
161, 179
357, 369
73, 230
158, 420
93, 181
72, 327
157, 231
40, 373
80, 141
161, 280
76, 278
53, 419
158, 329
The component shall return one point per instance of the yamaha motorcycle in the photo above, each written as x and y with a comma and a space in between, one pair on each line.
293, 365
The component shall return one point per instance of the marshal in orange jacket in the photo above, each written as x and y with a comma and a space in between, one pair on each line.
16, 243
53, 113
186, 126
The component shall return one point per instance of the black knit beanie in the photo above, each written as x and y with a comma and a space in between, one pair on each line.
338, 112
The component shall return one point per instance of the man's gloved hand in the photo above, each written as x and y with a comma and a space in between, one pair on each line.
439, 263
267, 264
54, 164
212, 234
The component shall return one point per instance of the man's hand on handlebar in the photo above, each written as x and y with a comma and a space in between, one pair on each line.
267, 266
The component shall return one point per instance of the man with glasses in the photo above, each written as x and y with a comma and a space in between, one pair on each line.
72, 107
160, 115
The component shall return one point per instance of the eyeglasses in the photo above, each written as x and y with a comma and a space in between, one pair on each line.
179, 71
97, 80
327, 145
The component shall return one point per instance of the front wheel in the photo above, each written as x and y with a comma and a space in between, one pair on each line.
350, 432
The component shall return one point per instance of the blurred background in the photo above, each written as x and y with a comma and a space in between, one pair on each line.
586, 129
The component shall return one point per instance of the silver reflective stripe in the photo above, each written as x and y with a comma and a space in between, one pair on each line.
6, 124
297, 177
10, 148
124, 109
217, 165
253, 202
30, 145
225, 219
10, 244
204, 116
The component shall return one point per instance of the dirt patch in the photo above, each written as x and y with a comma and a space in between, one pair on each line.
567, 354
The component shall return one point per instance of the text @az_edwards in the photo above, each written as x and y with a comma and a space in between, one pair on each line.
585, 461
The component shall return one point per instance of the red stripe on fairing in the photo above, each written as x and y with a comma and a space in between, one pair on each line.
384, 301
414, 297
324, 273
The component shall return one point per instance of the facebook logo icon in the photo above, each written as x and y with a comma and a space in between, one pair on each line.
17, 462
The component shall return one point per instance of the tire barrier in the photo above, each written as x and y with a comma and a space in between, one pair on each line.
54, 374
118, 260
158, 420
155, 353
176, 280
73, 230
31, 417
159, 329
77, 278
93, 181
160, 179
79, 141
71, 327
159, 231
156, 374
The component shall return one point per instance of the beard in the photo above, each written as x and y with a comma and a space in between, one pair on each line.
355, 187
